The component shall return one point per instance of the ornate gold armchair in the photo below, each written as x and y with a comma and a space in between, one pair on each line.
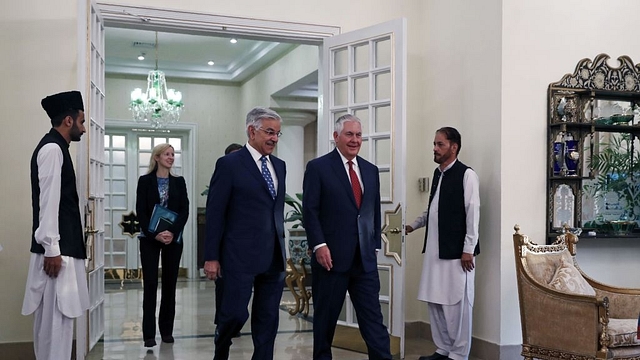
564, 313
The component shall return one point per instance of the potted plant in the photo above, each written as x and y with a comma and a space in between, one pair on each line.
617, 166
298, 247
295, 214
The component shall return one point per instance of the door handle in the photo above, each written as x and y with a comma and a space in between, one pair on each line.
89, 230
395, 230
89, 233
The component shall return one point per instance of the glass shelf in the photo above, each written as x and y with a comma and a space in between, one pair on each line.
593, 133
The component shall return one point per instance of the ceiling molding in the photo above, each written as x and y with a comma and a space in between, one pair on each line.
199, 23
305, 88
186, 56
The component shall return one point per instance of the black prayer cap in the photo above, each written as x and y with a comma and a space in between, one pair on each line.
56, 104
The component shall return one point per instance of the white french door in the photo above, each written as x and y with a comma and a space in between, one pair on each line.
127, 153
364, 73
90, 170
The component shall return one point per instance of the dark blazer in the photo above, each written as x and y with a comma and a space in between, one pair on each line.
147, 196
243, 220
332, 217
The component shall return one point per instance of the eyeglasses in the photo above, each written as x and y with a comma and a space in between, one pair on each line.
271, 132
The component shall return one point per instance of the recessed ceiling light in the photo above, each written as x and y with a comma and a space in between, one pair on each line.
233, 41
141, 57
210, 62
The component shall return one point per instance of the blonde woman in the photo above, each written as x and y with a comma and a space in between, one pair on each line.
159, 186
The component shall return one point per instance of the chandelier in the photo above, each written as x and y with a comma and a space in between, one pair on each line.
158, 106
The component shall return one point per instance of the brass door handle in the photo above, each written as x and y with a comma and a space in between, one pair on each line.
91, 231
395, 230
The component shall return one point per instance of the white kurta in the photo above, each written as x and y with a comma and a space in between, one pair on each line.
444, 281
72, 295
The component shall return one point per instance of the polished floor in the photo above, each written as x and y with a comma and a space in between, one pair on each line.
194, 329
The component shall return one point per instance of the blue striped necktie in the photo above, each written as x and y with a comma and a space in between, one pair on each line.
266, 174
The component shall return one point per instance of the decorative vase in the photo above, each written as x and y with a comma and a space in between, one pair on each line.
558, 155
572, 156
298, 246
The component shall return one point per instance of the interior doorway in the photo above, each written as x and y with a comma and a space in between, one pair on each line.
183, 22
127, 152
208, 98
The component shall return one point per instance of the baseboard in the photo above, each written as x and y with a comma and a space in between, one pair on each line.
480, 349
23, 351
18, 351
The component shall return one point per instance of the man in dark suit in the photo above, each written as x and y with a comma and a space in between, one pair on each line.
219, 281
245, 236
341, 210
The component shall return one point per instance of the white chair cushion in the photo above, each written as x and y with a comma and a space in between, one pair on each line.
569, 280
623, 332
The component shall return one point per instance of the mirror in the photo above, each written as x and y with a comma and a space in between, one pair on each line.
593, 147
563, 206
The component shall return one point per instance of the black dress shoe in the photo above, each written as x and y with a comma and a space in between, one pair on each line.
150, 343
168, 339
434, 356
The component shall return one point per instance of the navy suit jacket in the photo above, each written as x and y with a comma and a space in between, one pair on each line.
332, 217
147, 196
243, 220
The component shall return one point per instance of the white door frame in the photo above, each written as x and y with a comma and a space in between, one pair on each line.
190, 252
89, 165
157, 19
149, 18
395, 30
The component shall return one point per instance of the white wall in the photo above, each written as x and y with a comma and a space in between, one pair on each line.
457, 52
32, 66
214, 107
542, 41
462, 87
40, 43
258, 91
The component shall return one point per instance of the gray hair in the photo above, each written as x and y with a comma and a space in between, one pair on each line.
257, 114
343, 119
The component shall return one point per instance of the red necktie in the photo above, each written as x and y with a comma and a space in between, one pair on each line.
355, 184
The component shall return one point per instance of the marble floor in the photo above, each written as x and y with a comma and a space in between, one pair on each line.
194, 329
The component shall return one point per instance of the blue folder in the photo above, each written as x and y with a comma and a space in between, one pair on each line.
161, 219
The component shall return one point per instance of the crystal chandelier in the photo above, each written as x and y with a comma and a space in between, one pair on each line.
158, 106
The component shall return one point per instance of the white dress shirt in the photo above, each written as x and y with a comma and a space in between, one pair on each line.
445, 281
356, 168
256, 157
71, 284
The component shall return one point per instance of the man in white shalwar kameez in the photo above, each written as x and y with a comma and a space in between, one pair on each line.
56, 290
451, 242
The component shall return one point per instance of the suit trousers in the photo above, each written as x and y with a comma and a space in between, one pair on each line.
265, 309
151, 251
329, 291
219, 289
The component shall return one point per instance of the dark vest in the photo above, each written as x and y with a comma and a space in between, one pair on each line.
69, 223
452, 216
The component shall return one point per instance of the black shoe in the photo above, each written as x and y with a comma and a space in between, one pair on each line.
168, 339
434, 356
150, 343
